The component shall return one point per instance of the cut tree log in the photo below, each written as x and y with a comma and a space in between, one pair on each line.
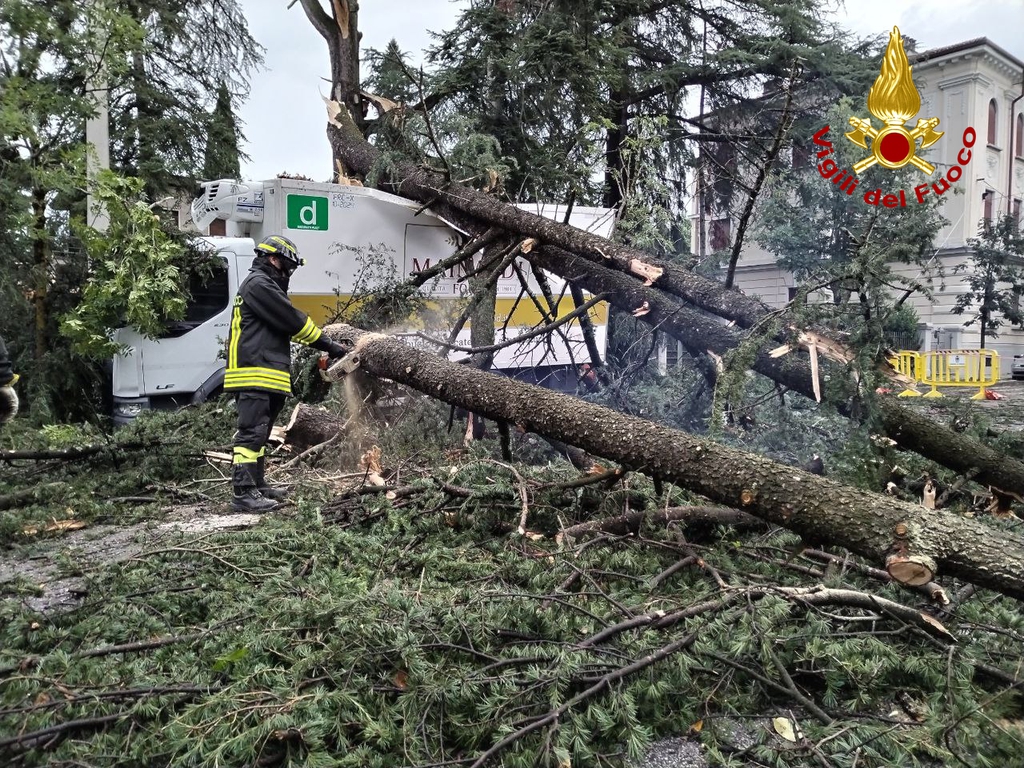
586, 258
309, 426
817, 508
631, 521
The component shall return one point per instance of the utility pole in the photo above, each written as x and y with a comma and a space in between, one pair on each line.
97, 139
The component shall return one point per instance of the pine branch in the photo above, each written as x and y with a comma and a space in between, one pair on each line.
605, 682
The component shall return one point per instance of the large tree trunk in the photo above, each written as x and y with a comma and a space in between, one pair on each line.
593, 261
820, 510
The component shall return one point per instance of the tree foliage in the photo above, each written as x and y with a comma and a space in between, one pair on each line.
363, 631
222, 159
138, 269
159, 120
994, 275
565, 83
162, 61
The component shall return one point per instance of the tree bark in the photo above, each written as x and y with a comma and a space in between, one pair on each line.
819, 509
309, 426
594, 262
483, 287
41, 267
631, 521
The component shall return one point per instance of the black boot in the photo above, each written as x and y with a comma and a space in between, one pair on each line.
275, 492
247, 496
249, 499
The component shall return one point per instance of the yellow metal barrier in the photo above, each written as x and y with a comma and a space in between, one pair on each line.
910, 364
959, 368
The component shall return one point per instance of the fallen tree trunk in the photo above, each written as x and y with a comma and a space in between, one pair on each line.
700, 332
819, 509
632, 521
587, 259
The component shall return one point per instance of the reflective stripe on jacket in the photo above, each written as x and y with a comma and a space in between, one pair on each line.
262, 325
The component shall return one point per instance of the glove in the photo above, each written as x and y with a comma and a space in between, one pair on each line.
8, 403
335, 351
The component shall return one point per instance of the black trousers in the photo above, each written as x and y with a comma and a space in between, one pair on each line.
257, 412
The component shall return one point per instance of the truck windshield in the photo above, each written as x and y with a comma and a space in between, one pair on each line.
209, 296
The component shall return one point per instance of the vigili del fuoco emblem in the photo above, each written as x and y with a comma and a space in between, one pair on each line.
894, 100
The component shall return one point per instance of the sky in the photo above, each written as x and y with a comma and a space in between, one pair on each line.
284, 118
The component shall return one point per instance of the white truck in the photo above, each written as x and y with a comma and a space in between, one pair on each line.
353, 239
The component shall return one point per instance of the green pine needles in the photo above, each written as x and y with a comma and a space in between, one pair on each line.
423, 631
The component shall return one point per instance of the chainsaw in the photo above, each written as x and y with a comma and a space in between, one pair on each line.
338, 371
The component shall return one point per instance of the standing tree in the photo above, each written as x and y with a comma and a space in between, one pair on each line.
47, 54
163, 61
222, 159
994, 277
159, 122
390, 75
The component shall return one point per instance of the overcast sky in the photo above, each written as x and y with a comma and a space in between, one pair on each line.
284, 117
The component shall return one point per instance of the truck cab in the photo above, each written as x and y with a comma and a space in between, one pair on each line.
184, 365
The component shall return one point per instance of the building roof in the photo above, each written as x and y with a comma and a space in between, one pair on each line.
966, 45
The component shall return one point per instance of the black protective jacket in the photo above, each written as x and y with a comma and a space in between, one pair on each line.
6, 372
262, 325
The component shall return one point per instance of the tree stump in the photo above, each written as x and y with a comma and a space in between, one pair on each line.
310, 425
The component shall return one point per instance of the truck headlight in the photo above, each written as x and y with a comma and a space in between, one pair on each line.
131, 410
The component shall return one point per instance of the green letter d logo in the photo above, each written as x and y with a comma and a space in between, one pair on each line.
307, 212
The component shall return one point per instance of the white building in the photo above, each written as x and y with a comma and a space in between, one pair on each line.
971, 84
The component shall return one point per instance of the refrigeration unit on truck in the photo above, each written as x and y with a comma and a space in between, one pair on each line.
352, 239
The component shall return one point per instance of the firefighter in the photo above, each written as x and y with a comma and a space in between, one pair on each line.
263, 323
8, 378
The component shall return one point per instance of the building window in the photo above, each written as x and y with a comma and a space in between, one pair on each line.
993, 120
988, 198
720, 235
1016, 213
1018, 139
791, 292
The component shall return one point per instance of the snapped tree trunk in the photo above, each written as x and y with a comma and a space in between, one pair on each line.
340, 30
819, 509
594, 259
